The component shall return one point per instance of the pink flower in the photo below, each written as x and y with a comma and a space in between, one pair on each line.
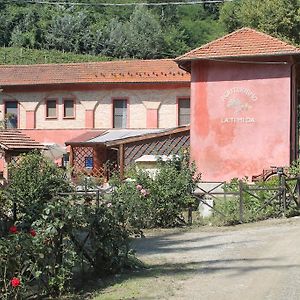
15, 282
32, 232
139, 187
13, 229
144, 192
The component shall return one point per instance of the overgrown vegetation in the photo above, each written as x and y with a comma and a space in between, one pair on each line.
54, 233
133, 31
261, 201
160, 200
53, 236
277, 17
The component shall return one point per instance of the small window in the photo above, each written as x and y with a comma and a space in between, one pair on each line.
120, 113
69, 111
11, 114
51, 109
183, 111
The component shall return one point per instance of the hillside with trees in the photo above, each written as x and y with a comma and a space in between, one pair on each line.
133, 31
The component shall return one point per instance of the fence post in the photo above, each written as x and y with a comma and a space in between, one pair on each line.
283, 188
298, 191
190, 215
241, 203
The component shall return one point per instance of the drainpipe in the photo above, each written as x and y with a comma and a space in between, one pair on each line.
294, 136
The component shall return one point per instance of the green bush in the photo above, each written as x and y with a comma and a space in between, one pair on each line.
41, 251
158, 201
34, 181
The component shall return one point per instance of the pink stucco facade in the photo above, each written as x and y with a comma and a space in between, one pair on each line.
240, 117
149, 106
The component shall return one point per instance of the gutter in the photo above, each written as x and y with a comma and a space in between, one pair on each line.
231, 59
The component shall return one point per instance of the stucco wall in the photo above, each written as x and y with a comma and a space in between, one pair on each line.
240, 122
164, 100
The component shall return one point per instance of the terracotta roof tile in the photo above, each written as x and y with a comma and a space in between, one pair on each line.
243, 42
131, 71
15, 140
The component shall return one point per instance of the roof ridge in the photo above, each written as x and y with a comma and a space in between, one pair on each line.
87, 63
243, 29
275, 38
212, 42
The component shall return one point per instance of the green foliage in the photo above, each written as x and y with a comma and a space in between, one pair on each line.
140, 32
16, 261
34, 181
25, 56
123, 32
67, 31
276, 17
294, 169
158, 201
41, 252
139, 37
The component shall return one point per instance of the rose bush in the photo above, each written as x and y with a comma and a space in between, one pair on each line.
41, 251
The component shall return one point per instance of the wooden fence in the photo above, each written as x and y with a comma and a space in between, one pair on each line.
280, 196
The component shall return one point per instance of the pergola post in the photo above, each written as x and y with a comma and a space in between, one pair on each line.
121, 160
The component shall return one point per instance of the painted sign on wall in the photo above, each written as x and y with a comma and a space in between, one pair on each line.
238, 102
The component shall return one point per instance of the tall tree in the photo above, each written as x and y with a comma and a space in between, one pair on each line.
67, 31
145, 35
278, 17
140, 37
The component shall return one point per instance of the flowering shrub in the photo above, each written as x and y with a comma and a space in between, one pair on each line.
40, 251
158, 201
16, 263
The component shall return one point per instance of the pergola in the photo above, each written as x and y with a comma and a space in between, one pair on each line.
90, 151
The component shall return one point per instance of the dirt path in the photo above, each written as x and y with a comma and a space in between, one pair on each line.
253, 261
257, 261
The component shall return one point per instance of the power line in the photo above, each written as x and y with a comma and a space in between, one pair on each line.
119, 4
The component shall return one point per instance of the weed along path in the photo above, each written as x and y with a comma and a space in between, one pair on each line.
252, 261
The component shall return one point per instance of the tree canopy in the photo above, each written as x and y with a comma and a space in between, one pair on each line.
142, 32
279, 18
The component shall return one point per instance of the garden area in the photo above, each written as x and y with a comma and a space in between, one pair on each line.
54, 237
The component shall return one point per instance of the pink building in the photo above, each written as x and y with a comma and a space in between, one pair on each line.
244, 104
55, 103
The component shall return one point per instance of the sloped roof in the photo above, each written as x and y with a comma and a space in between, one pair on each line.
131, 71
15, 140
86, 136
114, 137
245, 42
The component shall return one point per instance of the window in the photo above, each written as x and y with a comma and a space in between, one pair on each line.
11, 114
120, 113
51, 111
69, 111
183, 111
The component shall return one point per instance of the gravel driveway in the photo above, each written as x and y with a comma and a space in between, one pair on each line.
252, 261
